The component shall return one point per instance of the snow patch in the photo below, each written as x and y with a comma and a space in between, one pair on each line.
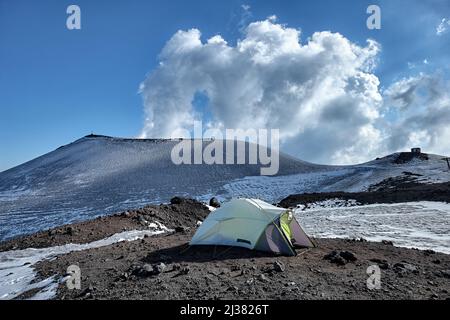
423, 225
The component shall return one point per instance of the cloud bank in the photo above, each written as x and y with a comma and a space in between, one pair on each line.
422, 108
321, 93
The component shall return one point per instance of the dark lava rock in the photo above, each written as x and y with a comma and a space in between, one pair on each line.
123, 277
235, 268
182, 229
411, 174
148, 270
347, 255
159, 268
176, 200
387, 242
405, 157
184, 271
445, 274
340, 258
87, 293
402, 269
176, 266
145, 270
279, 266
214, 203
70, 231
335, 257
356, 240
330, 255
125, 214
383, 264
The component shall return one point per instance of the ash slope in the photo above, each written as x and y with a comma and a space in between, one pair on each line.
98, 175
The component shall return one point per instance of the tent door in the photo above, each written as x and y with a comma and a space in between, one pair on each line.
293, 232
274, 240
285, 224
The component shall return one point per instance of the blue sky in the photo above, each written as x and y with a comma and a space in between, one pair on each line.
57, 85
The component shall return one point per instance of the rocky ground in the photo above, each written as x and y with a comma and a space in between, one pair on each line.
180, 212
404, 188
165, 267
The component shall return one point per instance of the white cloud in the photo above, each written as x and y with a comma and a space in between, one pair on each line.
321, 93
322, 89
421, 105
442, 26
246, 15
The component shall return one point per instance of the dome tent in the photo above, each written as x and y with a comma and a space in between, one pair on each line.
252, 224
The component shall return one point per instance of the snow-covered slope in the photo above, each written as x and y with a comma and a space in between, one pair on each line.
348, 178
101, 175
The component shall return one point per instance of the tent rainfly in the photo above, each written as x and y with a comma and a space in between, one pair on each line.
253, 224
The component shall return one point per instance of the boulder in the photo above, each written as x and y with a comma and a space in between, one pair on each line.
402, 269
213, 202
182, 229
340, 257
176, 267
159, 268
445, 274
148, 270
347, 255
383, 264
330, 255
335, 257
70, 231
436, 261
176, 200
279, 266
184, 271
